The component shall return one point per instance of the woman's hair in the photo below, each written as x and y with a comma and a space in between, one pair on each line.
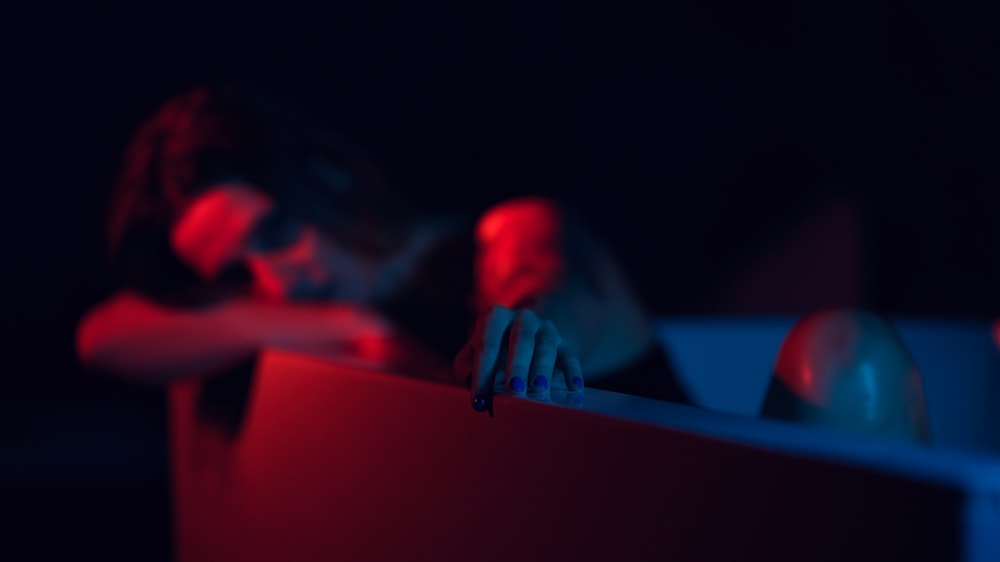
212, 135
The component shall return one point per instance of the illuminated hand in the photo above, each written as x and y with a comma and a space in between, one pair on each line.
519, 353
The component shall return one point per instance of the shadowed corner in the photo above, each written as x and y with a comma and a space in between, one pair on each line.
222, 400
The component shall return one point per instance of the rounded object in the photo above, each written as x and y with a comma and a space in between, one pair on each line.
848, 370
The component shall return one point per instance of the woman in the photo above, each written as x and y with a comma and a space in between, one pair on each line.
238, 223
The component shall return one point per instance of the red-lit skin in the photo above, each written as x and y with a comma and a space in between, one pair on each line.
519, 261
217, 230
996, 333
130, 336
521, 252
855, 369
573, 316
308, 296
521, 272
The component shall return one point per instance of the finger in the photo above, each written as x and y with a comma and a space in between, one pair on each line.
487, 341
520, 351
568, 362
500, 381
543, 364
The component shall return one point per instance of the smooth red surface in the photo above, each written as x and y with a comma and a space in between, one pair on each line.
340, 463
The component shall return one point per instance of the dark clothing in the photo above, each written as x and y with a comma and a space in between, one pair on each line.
147, 265
650, 376
436, 304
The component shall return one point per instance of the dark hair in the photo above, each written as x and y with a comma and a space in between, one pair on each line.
210, 135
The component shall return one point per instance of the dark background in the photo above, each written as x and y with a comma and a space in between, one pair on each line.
698, 138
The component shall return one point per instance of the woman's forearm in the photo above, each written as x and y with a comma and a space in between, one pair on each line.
132, 337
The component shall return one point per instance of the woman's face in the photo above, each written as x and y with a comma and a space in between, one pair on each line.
234, 223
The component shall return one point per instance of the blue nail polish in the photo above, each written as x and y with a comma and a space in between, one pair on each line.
542, 382
479, 403
577, 381
517, 384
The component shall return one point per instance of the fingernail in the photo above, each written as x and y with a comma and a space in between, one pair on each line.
542, 382
479, 403
577, 381
517, 384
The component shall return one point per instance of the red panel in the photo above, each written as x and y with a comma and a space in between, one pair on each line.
339, 463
